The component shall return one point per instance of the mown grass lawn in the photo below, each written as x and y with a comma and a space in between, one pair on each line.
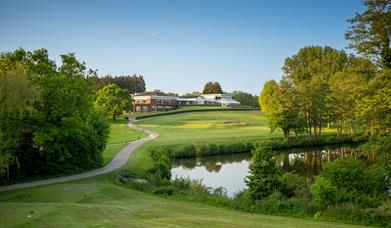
208, 127
202, 128
101, 201
121, 133
186, 107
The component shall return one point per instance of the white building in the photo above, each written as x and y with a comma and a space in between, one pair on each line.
209, 99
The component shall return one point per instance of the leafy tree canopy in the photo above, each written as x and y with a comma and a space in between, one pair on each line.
246, 99
370, 32
212, 88
113, 100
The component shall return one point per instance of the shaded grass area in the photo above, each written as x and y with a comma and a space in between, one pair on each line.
101, 201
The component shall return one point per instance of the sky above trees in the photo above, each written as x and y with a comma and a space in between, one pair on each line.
178, 45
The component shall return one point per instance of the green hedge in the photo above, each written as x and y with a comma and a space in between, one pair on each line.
191, 150
192, 110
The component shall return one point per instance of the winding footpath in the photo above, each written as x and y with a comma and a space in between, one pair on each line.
119, 160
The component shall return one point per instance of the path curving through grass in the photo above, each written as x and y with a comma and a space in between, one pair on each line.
119, 160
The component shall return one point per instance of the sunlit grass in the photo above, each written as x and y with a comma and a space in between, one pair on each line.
120, 133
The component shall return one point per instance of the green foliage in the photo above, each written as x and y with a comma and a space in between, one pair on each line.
370, 32
376, 105
180, 111
324, 192
134, 83
161, 168
212, 88
293, 185
190, 150
380, 216
17, 94
263, 179
278, 101
246, 99
59, 131
113, 100
350, 180
379, 148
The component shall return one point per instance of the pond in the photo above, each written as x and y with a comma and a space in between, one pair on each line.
230, 170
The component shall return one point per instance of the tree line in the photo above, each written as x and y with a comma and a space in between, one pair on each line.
324, 87
133, 83
47, 119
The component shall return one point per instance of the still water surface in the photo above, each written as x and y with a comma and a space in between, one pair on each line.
230, 170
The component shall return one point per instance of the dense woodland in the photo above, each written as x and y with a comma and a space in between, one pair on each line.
47, 119
134, 83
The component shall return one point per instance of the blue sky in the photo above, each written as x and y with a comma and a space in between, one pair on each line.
178, 45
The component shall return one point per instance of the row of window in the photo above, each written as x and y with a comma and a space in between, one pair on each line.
154, 108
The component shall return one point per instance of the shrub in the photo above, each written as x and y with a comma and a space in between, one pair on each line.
263, 179
353, 178
161, 168
293, 185
324, 192
165, 190
183, 185
352, 212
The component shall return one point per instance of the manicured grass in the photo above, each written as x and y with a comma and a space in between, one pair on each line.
103, 201
121, 133
185, 109
202, 128
208, 127
100, 201
110, 151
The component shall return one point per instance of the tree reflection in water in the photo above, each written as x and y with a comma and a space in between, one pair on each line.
230, 170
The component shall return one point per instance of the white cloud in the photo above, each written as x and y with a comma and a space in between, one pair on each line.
155, 34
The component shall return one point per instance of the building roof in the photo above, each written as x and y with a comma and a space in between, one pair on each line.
151, 93
189, 96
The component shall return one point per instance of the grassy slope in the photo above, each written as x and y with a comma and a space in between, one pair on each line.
120, 133
187, 107
103, 201
198, 128
206, 127
100, 202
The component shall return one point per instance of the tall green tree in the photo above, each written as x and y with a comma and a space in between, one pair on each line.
113, 100
212, 88
134, 83
246, 99
375, 107
279, 101
347, 90
370, 32
309, 72
264, 177
61, 132
17, 95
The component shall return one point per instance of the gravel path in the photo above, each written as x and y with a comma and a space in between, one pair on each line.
120, 159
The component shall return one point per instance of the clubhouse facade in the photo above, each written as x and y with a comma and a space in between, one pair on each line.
157, 101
